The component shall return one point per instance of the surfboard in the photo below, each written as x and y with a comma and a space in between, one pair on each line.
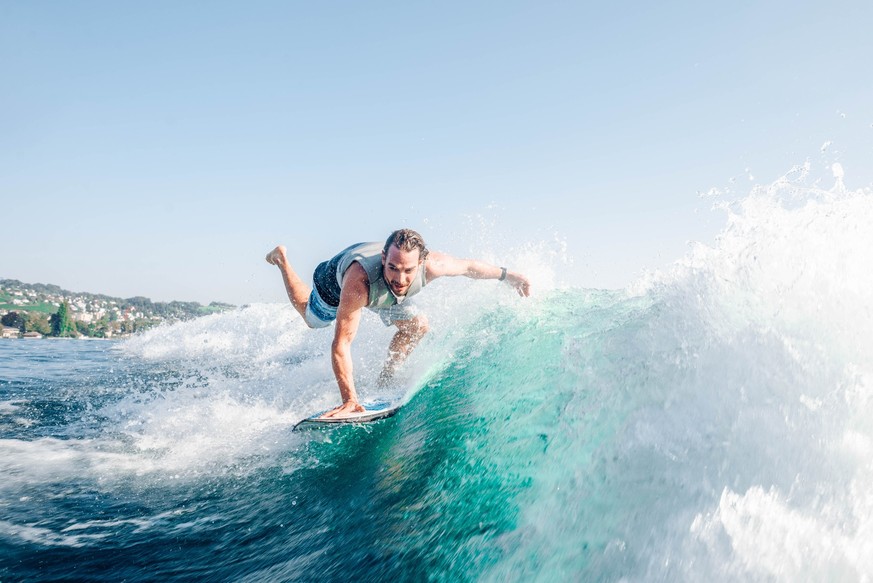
373, 412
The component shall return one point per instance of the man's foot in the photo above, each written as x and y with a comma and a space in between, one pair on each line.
344, 410
276, 256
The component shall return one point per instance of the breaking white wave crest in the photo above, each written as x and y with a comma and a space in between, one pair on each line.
776, 416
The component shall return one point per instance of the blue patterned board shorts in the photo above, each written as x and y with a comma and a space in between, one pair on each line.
319, 314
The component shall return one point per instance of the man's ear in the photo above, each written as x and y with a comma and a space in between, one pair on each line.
383, 259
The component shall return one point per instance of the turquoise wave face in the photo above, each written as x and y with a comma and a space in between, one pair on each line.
447, 489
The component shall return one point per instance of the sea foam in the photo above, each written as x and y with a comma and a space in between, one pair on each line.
777, 416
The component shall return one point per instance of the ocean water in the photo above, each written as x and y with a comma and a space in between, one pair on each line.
712, 422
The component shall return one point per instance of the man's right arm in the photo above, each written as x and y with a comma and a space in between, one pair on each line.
353, 298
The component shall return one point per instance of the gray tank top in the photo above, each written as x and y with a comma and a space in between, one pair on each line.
369, 255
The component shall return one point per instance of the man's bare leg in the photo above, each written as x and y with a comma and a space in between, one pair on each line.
407, 337
298, 292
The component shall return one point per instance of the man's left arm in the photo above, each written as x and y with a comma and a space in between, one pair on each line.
440, 265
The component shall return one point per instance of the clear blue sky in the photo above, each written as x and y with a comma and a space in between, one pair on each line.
161, 148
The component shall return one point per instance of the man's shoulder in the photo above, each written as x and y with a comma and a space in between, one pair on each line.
436, 263
356, 280
356, 270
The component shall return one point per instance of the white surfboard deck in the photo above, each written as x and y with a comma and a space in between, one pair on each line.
372, 412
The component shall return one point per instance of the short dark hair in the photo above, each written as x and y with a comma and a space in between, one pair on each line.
406, 240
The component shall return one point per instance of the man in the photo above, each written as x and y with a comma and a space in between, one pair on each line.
381, 278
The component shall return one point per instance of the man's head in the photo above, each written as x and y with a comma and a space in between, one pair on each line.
402, 256
406, 240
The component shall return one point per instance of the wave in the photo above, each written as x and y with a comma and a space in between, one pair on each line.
711, 421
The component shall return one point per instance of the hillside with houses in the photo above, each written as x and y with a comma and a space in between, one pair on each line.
38, 310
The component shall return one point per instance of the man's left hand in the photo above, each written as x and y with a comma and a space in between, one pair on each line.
519, 282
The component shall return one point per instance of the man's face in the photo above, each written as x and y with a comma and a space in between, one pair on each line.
400, 268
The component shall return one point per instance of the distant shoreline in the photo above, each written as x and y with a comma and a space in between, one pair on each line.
52, 311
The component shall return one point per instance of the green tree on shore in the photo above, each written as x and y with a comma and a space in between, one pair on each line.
13, 320
61, 323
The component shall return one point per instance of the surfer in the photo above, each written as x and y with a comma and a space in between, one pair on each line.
381, 278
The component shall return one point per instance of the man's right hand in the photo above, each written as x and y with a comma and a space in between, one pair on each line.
345, 409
